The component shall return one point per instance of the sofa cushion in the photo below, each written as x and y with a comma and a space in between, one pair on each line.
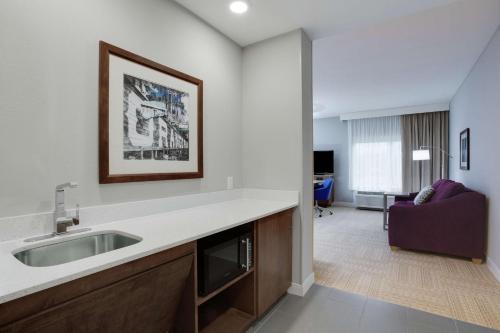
446, 189
424, 195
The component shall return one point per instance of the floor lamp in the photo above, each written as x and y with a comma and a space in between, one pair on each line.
423, 154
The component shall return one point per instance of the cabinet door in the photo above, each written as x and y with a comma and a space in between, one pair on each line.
274, 259
146, 302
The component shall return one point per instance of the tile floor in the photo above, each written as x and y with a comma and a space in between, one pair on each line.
330, 310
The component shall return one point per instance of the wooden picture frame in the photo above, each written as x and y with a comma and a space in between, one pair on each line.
465, 149
157, 141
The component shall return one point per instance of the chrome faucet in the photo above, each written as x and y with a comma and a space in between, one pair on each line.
61, 220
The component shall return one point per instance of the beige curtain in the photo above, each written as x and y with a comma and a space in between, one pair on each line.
424, 129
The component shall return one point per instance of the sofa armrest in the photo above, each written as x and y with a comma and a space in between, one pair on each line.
410, 196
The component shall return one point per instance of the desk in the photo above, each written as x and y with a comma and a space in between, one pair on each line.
391, 194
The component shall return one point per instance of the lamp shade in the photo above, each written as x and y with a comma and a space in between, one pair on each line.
421, 155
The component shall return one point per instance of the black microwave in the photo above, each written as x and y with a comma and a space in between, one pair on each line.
224, 256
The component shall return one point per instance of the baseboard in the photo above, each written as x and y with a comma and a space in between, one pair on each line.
301, 289
495, 270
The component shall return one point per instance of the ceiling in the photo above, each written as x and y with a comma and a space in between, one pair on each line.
370, 54
319, 18
416, 60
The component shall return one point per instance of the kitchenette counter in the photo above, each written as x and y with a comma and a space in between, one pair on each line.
158, 232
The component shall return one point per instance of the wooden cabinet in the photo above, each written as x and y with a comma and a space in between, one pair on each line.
147, 301
158, 293
274, 259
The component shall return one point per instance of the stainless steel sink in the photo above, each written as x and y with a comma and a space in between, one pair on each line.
74, 249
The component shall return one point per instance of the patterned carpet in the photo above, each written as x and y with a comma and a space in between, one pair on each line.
351, 253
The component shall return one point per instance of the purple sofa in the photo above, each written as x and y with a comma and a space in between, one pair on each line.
452, 222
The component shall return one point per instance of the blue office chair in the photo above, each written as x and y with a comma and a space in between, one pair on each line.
323, 193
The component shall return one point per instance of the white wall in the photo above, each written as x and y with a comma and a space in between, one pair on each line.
476, 106
49, 101
277, 129
48, 95
307, 226
331, 133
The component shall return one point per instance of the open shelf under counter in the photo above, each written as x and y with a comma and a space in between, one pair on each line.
232, 320
231, 308
202, 299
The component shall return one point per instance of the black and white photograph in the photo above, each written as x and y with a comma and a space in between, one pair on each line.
150, 120
465, 149
155, 121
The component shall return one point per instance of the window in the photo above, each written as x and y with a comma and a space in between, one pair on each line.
375, 157
142, 125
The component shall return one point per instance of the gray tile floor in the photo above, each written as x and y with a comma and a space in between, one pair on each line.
334, 311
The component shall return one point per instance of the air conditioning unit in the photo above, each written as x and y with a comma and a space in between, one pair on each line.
371, 200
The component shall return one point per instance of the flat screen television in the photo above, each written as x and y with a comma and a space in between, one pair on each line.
323, 161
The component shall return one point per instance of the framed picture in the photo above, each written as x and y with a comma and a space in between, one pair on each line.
150, 120
465, 149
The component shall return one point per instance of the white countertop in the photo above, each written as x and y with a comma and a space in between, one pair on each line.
158, 232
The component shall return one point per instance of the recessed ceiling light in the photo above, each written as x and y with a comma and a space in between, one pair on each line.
238, 7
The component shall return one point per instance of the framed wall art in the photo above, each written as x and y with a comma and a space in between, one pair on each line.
465, 149
150, 120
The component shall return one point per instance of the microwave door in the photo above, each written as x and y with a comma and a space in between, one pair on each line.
221, 263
